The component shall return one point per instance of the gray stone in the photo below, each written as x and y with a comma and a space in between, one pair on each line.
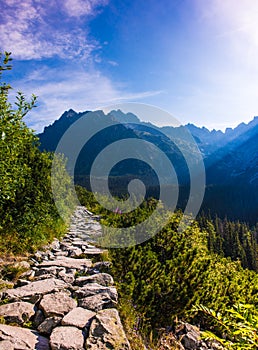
95, 288
66, 338
38, 256
106, 332
94, 251
35, 289
189, 336
18, 312
75, 253
65, 246
97, 302
49, 324
52, 270
55, 244
66, 277
23, 338
190, 341
103, 279
78, 317
57, 304
79, 264
61, 253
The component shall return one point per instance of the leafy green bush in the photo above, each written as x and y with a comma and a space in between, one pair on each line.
235, 329
28, 215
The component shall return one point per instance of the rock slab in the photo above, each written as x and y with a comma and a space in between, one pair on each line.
18, 312
22, 338
106, 332
57, 304
78, 317
66, 338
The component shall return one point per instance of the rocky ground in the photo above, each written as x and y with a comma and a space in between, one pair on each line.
66, 300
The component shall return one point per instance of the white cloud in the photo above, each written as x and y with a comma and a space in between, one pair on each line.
113, 63
78, 90
34, 29
78, 8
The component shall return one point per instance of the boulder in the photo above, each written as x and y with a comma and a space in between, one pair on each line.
95, 288
191, 341
57, 304
67, 277
189, 336
52, 270
103, 279
106, 332
66, 338
49, 324
78, 317
18, 312
22, 338
75, 252
32, 291
97, 302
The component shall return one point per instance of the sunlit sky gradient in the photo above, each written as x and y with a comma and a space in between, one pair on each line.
197, 59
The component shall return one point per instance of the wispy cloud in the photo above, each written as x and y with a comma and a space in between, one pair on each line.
79, 90
34, 29
78, 8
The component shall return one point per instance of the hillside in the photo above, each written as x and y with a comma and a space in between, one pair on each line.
230, 159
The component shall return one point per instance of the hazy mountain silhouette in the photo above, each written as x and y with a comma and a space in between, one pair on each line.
230, 158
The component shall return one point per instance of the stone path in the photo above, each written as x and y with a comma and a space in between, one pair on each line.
65, 301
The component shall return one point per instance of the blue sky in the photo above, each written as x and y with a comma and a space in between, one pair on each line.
197, 59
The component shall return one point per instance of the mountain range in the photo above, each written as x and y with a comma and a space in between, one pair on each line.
230, 159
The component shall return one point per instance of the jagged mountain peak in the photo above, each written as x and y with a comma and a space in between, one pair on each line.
68, 114
122, 117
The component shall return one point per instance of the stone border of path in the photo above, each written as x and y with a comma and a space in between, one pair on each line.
64, 302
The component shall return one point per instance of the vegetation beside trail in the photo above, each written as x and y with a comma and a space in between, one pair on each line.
28, 215
177, 275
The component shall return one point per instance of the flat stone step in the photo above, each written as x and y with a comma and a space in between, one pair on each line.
68, 263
